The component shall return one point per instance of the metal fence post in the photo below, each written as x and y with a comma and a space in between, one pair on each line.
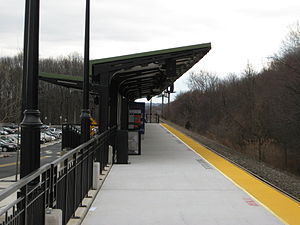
66, 191
75, 181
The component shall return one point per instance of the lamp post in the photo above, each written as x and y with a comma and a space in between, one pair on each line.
31, 124
24, 60
85, 112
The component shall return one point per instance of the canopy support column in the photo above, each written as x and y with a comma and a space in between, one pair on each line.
103, 120
122, 135
113, 113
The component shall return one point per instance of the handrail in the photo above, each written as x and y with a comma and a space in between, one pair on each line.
16, 186
22, 182
50, 179
78, 148
9, 206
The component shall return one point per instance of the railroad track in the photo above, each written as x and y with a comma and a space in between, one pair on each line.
252, 173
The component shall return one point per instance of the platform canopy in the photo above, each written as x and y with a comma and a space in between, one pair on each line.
137, 75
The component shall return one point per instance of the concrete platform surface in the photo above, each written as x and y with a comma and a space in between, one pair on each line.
171, 185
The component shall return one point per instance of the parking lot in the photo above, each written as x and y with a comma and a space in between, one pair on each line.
10, 140
10, 137
8, 165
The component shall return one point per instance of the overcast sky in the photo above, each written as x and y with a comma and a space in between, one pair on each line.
240, 31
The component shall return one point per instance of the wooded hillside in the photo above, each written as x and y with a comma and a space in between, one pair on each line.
54, 101
254, 112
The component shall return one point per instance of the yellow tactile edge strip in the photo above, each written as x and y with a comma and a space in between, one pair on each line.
281, 206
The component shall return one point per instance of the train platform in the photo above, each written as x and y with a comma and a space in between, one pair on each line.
177, 181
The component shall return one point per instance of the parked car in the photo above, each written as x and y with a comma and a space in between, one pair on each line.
44, 127
11, 126
8, 139
14, 138
55, 135
2, 131
53, 138
9, 130
42, 139
56, 131
47, 137
7, 147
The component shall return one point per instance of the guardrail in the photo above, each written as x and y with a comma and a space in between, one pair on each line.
62, 184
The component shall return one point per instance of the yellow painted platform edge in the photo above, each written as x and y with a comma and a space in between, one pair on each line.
274, 214
261, 203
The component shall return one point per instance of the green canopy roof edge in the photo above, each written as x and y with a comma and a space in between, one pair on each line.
150, 53
60, 76
123, 57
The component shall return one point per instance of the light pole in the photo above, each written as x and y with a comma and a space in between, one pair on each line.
24, 60
31, 124
85, 112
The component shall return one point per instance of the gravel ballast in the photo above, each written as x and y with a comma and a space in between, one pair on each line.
285, 181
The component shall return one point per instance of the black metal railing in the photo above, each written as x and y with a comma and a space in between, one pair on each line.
152, 118
62, 184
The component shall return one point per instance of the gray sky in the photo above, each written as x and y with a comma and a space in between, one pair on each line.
240, 31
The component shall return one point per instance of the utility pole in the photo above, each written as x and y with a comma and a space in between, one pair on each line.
31, 124
85, 112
